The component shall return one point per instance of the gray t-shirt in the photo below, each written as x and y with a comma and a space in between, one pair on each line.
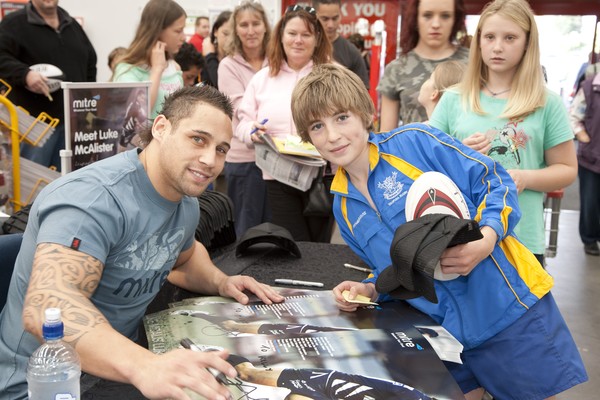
402, 80
349, 56
110, 211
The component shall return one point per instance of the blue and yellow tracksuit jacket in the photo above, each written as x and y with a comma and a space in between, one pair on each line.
497, 291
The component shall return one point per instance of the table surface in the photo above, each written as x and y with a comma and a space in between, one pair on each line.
320, 262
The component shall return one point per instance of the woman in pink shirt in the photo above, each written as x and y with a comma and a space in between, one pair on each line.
246, 55
298, 42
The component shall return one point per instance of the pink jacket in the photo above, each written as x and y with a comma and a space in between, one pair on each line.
269, 97
234, 74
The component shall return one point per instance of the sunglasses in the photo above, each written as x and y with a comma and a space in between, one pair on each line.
297, 7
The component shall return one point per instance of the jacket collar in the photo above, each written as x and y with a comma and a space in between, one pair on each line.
34, 17
340, 181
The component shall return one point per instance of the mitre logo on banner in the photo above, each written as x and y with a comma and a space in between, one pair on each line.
85, 104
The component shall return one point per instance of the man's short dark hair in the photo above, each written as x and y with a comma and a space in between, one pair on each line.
182, 103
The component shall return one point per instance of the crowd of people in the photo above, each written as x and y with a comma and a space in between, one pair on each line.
476, 110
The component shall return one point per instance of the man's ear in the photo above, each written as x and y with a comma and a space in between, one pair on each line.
160, 127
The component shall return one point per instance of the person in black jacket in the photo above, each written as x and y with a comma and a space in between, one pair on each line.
213, 48
43, 33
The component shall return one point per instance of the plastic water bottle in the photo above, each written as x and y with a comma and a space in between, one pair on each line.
54, 368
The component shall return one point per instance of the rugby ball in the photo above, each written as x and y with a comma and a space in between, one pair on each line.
435, 193
53, 74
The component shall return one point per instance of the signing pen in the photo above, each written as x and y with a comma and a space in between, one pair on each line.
219, 376
357, 268
294, 282
264, 121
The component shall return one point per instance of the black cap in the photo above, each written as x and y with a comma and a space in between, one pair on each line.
415, 251
268, 233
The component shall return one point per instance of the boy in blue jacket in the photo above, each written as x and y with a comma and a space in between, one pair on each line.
517, 345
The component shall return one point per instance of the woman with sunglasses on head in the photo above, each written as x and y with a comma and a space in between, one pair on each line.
297, 44
247, 54
429, 36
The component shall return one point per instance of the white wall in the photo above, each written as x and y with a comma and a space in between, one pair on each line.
112, 23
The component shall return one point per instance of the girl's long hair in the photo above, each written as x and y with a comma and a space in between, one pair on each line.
528, 90
156, 17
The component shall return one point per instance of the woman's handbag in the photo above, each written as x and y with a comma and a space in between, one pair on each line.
319, 199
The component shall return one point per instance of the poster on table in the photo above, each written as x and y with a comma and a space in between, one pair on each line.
306, 347
103, 119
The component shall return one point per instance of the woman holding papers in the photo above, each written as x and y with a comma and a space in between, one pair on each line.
246, 56
297, 44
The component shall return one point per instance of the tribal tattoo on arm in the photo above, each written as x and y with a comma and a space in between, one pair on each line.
64, 278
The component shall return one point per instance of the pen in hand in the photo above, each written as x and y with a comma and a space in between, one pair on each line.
264, 121
190, 345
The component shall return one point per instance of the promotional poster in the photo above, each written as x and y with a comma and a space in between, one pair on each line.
103, 119
307, 347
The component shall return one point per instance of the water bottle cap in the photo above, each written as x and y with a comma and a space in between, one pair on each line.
52, 315
53, 327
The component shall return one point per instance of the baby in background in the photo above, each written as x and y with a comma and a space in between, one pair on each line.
445, 75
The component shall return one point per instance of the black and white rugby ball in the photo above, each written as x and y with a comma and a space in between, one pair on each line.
53, 74
435, 193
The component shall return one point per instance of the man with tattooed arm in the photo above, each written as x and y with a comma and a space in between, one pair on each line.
101, 241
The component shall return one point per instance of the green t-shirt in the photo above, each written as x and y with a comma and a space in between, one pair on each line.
515, 145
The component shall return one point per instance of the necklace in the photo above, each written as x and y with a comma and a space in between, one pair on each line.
494, 94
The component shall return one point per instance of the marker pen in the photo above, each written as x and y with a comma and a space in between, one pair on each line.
357, 268
294, 282
219, 376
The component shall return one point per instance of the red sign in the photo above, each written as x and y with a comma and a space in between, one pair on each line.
358, 16
10, 6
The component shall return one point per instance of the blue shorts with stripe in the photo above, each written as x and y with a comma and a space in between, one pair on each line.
534, 358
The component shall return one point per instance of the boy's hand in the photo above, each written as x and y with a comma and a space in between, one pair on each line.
355, 288
462, 259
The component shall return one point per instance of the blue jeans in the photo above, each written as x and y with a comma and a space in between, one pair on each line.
589, 198
49, 154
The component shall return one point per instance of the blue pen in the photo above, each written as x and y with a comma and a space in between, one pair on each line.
264, 121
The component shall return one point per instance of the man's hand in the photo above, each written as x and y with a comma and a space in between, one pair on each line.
171, 374
234, 286
478, 142
355, 288
36, 82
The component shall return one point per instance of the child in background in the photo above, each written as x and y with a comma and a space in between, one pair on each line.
149, 57
191, 63
445, 75
114, 56
502, 108
516, 343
